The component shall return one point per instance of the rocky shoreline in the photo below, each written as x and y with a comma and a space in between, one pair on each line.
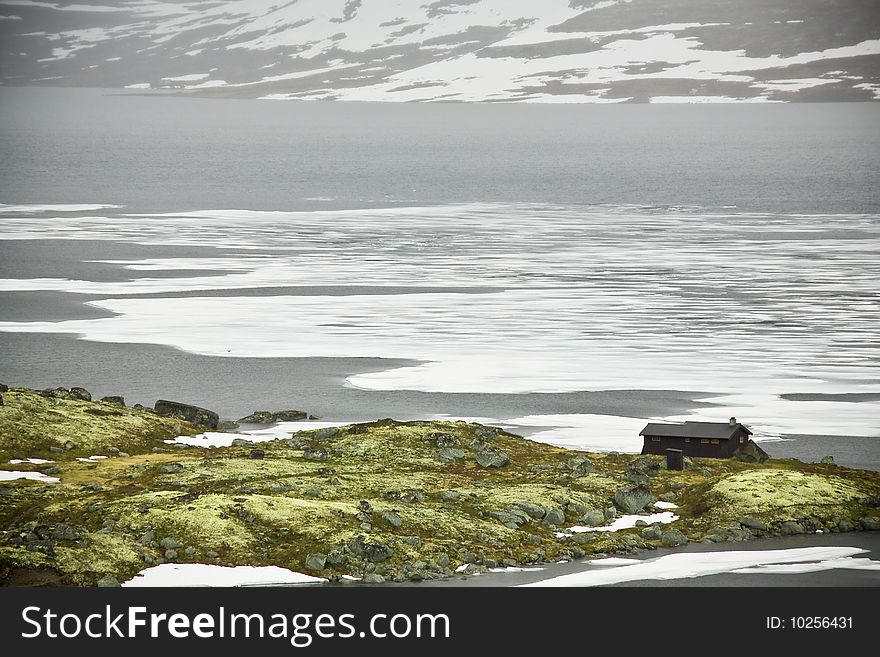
110, 493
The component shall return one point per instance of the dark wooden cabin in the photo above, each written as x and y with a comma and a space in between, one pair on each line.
706, 439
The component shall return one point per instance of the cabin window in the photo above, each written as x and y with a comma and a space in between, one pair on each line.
655, 440
704, 441
742, 439
687, 440
715, 441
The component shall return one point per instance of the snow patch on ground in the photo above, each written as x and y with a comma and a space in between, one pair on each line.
197, 574
11, 475
627, 522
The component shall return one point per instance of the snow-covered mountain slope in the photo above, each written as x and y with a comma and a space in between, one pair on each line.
452, 50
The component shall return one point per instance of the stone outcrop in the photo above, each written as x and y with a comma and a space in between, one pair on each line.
188, 412
751, 453
273, 417
633, 498
67, 393
489, 457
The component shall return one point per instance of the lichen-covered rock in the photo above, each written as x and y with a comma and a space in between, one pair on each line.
408, 495
486, 433
80, 393
577, 467
751, 453
442, 439
492, 458
510, 519
315, 453
583, 538
554, 516
66, 532
633, 498
116, 400
652, 533
325, 433
188, 412
316, 561
534, 510
76, 393
415, 541
593, 518
392, 518
450, 454
753, 523
370, 551
337, 558
869, 524
673, 538
644, 466
273, 417
791, 528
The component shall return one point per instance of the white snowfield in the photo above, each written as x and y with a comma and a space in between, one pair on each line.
199, 574
423, 50
11, 475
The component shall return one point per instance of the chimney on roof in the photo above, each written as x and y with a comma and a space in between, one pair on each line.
732, 422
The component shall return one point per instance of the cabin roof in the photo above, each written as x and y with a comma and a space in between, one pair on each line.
719, 430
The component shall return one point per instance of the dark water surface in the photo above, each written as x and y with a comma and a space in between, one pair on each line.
166, 153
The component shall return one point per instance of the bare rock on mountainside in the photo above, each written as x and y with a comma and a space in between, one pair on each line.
478, 50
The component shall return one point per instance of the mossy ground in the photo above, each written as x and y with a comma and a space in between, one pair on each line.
304, 495
30, 425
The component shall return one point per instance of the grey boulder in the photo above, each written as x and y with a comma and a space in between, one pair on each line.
633, 498
492, 458
187, 412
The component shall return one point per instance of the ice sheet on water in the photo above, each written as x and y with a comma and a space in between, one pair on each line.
789, 304
698, 564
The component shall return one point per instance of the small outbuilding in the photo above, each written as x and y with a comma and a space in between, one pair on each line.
704, 439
